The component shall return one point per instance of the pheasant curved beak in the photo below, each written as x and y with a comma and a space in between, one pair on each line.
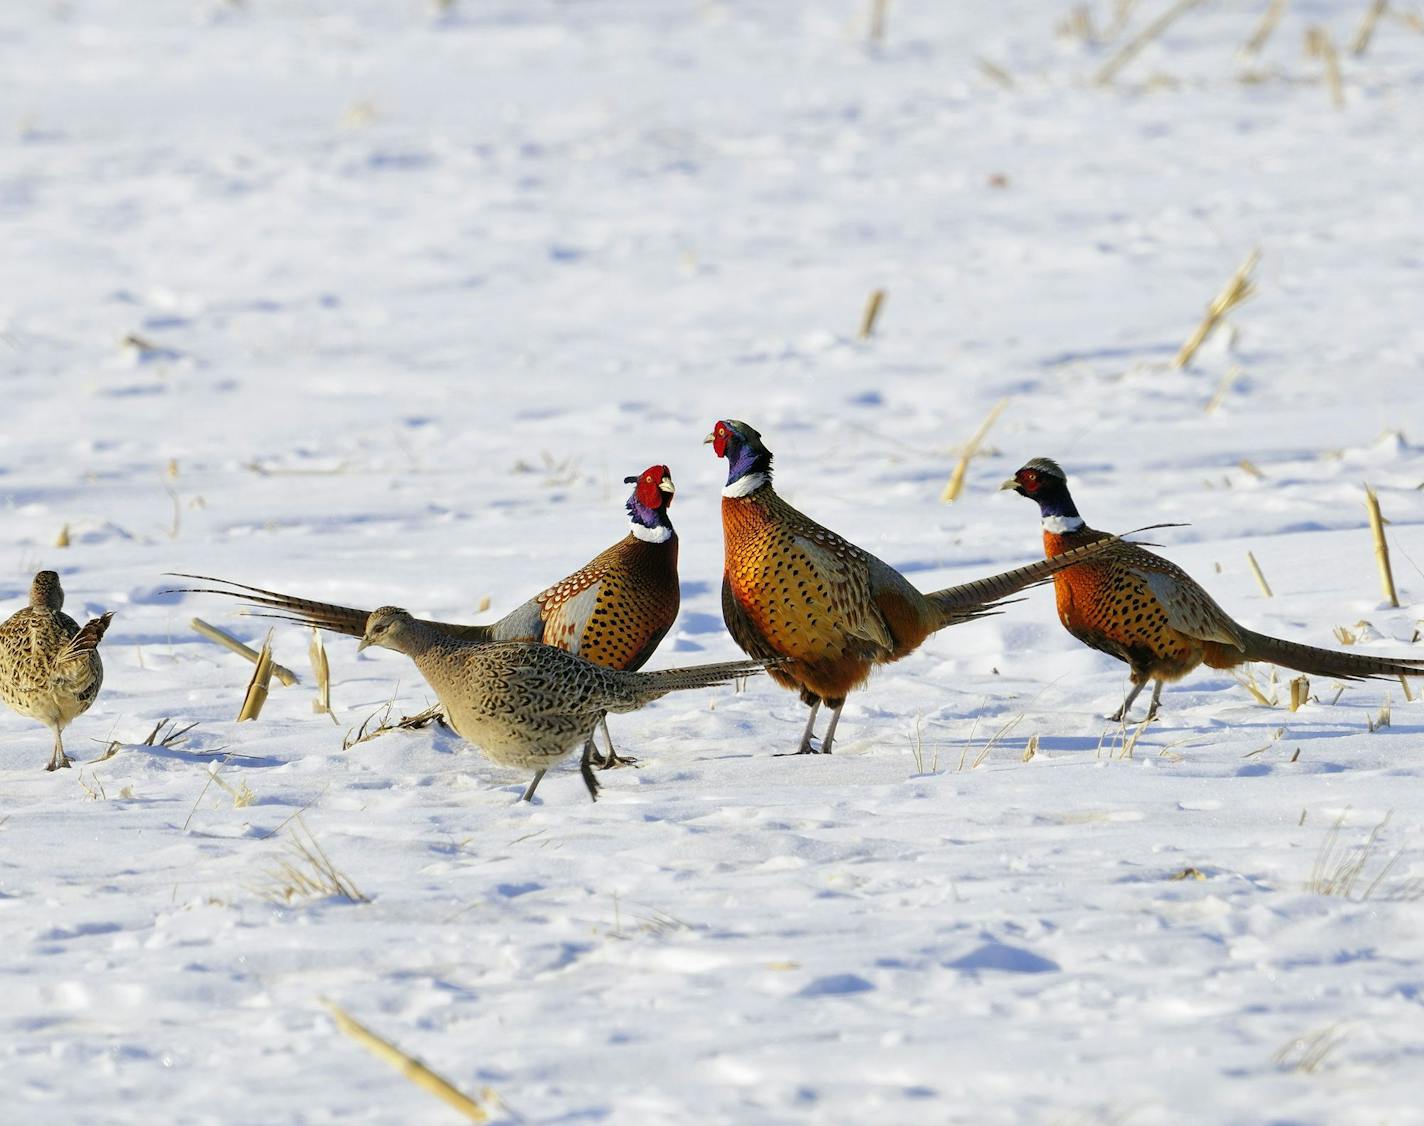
707, 441
364, 643
1011, 483
666, 486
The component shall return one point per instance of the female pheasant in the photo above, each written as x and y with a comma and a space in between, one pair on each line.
1149, 613
613, 611
49, 666
530, 705
796, 590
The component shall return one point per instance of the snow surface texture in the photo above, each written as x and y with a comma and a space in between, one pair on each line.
406, 294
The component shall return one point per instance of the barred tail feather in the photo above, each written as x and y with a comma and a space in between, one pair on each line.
982, 597
90, 634
1326, 662
651, 685
323, 615
348, 620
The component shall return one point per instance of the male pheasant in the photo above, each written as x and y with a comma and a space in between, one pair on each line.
795, 590
612, 611
49, 665
1149, 613
530, 705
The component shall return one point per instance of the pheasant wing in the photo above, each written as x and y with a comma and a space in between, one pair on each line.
1189, 608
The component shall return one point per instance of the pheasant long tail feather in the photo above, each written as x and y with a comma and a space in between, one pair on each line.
323, 615
90, 634
981, 597
651, 685
347, 620
1326, 662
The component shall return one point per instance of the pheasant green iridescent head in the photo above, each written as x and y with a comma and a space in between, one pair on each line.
1043, 481
647, 508
748, 461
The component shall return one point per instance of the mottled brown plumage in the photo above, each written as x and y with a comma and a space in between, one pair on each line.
613, 611
529, 705
49, 666
1149, 613
796, 590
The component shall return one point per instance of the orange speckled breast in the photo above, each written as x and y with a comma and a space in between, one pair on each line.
1109, 607
635, 605
785, 606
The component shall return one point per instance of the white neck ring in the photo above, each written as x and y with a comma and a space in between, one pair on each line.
745, 486
661, 534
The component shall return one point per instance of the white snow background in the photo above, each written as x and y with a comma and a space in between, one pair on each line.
407, 293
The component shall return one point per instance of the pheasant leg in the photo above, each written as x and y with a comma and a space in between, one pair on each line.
59, 758
613, 758
529, 793
1121, 714
806, 747
586, 768
829, 737
1156, 699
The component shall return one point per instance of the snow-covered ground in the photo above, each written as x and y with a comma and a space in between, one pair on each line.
406, 294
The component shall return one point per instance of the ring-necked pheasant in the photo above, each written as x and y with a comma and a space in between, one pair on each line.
795, 590
613, 611
1149, 613
49, 665
530, 705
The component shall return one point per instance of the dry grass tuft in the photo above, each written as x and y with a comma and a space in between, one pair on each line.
381, 718
955, 484
1238, 288
873, 304
1339, 869
983, 752
257, 687
227, 641
1299, 692
321, 668
1228, 381
1260, 575
1366, 31
1307, 1054
1031, 748
1319, 45
917, 749
1247, 679
1376, 723
62, 540
306, 874
1133, 47
411, 1068
1265, 29
1381, 547
173, 736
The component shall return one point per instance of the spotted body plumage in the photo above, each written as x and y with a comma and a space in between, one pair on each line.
832, 611
1149, 613
50, 669
613, 611
529, 705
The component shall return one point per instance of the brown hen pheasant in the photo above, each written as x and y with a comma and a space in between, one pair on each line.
1149, 613
49, 665
530, 705
796, 590
612, 611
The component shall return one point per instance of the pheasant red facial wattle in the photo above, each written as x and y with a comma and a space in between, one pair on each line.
653, 487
